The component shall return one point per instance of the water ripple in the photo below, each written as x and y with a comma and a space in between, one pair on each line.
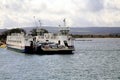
98, 59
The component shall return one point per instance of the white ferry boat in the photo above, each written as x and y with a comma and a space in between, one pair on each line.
16, 41
47, 43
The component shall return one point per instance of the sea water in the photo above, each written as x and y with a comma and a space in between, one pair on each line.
93, 59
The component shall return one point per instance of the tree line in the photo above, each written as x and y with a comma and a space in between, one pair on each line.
97, 36
33, 32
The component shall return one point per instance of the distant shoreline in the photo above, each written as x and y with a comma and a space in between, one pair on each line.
96, 36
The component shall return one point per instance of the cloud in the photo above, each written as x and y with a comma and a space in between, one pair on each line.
95, 5
78, 13
99, 13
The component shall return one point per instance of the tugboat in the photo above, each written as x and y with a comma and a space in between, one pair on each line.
43, 43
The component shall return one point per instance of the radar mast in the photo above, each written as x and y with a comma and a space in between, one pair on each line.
64, 30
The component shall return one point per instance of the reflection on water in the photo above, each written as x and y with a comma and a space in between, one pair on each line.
98, 59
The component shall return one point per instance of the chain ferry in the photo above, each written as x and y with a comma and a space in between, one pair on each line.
43, 43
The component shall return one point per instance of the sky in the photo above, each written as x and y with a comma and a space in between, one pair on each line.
78, 13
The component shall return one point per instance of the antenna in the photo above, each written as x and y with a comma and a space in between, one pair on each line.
64, 22
35, 21
37, 30
40, 23
59, 25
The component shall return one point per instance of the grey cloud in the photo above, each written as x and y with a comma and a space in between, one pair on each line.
117, 23
8, 22
16, 6
113, 8
81, 10
23, 6
95, 5
89, 5
81, 21
43, 7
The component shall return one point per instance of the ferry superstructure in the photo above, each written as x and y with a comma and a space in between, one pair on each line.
16, 41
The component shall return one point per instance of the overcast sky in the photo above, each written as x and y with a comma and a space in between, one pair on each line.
78, 13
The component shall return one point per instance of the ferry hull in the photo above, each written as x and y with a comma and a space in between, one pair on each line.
41, 51
15, 49
54, 52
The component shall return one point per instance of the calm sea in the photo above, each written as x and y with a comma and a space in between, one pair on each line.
93, 59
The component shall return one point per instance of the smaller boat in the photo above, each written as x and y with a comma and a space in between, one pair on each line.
53, 48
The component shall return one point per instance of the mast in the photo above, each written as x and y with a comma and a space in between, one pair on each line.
35, 21
64, 22
40, 23
36, 25
39, 30
64, 30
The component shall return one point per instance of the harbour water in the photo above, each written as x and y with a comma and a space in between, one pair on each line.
93, 59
